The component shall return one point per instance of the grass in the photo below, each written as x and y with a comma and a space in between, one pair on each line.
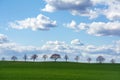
58, 71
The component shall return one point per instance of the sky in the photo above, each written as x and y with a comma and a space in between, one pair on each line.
85, 28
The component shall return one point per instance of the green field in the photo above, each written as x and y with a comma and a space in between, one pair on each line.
58, 71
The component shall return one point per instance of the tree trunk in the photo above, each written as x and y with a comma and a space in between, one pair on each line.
55, 60
66, 60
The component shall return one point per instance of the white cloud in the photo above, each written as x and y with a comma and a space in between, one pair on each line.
117, 46
113, 10
41, 22
77, 27
76, 7
89, 13
104, 29
3, 39
98, 28
53, 5
72, 25
109, 8
56, 46
76, 42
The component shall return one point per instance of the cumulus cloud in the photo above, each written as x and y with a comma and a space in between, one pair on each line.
104, 29
97, 28
110, 8
56, 46
92, 49
117, 46
76, 7
77, 27
3, 39
40, 22
76, 42
113, 10
72, 25
53, 5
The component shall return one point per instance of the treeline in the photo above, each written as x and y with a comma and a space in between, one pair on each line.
55, 57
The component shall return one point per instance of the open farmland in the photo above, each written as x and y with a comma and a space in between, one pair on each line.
58, 71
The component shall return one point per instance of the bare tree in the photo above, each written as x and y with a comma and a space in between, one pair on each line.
77, 58
34, 57
25, 57
55, 57
66, 57
112, 60
14, 58
89, 60
45, 57
100, 59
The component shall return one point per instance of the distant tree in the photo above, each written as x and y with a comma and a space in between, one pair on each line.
112, 60
76, 58
66, 57
100, 59
45, 57
34, 57
89, 60
55, 57
25, 57
14, 58
3, 59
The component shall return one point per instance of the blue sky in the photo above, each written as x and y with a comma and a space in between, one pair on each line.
62, 22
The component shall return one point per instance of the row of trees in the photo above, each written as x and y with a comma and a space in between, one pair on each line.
99, 59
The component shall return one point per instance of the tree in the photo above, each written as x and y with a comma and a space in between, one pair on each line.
112, 60
34, 57
100, 59
25, 57
14, 58
3, 59
89, 60
45, 57
55, 57
66, 58
77, 58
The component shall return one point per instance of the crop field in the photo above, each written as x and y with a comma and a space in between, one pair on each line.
58, 71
